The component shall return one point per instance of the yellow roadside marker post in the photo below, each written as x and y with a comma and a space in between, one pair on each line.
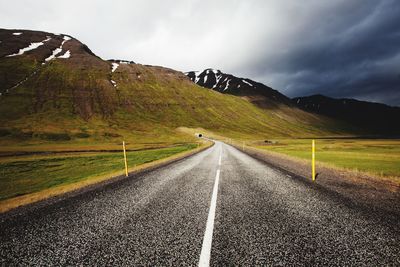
126, 163
313, 159
243, 145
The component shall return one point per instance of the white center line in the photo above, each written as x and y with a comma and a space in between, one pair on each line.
206, 249
220, 158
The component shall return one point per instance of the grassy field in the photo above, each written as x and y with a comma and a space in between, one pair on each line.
379, 157
28, 174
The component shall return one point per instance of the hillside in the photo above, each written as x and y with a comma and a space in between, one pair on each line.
375, 118
54, 88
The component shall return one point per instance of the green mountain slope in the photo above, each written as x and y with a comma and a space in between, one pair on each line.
74, 96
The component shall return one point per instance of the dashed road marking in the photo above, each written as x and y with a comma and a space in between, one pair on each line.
207, 240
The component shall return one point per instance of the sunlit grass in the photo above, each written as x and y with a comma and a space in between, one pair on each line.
35, 173
380, 157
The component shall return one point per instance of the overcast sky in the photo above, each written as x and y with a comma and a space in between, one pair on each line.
340, 48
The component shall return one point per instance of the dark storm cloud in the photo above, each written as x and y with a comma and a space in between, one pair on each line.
341, 48
352, 54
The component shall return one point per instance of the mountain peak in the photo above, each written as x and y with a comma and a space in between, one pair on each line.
256, 92
217, 80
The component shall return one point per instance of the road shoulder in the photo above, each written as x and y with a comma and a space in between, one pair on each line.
358, 188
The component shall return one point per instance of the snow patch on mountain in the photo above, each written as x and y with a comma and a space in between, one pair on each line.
197, 76
218, 77
227, 85
217, 80
32, 46
114, 66
66, 55
57, 50
17, 33
246, 82
54, 54
206, 76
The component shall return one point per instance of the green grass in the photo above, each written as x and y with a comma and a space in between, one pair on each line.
379, 157
23, 175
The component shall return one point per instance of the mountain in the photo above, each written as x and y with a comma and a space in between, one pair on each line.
370, 118
53, 87
257, 93
373, 117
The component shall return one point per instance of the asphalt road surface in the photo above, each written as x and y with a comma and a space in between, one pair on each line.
218, 208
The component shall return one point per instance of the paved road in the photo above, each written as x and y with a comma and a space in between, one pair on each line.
220, 206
